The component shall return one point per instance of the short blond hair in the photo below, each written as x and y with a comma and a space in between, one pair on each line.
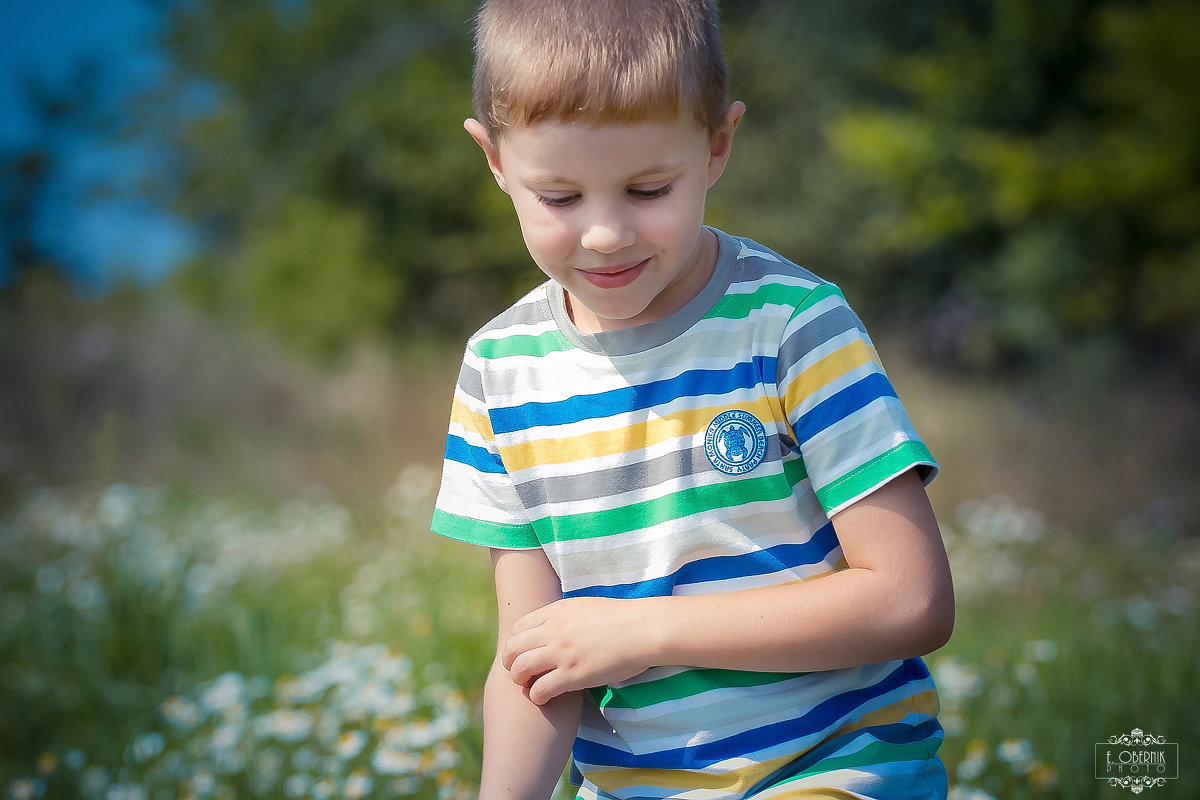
613, 61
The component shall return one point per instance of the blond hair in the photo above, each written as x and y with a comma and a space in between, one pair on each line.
613, 61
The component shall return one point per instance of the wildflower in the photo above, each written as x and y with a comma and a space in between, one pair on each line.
286, 724
1044, 777
974, 762
393, 760
956, 681
75, 759
181, 712
1017, 753
358, 785
125, 791
406, 785
47, 763
350, 744
324, 788
953, 724
223, 693
1041, 650
201, 784
304, 759
961, 792
146, 747
298, 785
269, 763
26, 789
1141, 613
1026, 673
226, 737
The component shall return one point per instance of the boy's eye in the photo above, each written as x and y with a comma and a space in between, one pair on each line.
650, 194
556, 200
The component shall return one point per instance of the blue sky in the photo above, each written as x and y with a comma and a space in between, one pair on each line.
125, 235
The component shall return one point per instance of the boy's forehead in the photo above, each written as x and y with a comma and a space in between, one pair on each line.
672, 132
545, 149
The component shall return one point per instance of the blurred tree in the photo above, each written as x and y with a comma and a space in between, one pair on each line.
338, 190
1040, 161
37, 197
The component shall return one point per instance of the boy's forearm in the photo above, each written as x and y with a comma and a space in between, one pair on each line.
525, 746
840, 620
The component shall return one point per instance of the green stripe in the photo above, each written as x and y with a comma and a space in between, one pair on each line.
741, 306
684, 684
795, 471
873, 754
817, 295
522, 345
489, 534
875, 473
589, 525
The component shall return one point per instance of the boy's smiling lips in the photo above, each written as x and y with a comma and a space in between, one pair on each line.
616, 276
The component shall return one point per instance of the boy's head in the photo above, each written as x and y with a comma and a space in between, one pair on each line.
598, 61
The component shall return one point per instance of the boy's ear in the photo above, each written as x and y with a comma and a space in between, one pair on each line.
722, 142
480, 135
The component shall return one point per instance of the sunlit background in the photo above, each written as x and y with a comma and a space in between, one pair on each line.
242, 242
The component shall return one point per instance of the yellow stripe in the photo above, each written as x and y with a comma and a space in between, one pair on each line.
828, 369
470, 420
924, 703
737, 780
619, 440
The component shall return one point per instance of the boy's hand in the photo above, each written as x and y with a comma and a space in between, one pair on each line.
577, 643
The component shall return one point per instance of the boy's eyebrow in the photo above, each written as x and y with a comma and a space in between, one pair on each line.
654, 169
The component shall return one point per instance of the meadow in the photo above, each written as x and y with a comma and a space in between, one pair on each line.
186, 639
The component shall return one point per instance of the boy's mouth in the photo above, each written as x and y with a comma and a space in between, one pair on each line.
616, 276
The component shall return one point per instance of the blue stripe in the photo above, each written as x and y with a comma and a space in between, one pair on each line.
759, 562
633, 398
820, 718
457, 449
834, 409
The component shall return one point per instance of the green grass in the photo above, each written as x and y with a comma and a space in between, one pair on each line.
158, 645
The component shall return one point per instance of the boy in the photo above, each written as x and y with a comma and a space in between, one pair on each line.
715, 564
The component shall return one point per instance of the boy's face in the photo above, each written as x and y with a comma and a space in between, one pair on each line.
615, 212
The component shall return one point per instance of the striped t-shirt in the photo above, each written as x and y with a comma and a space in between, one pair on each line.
700, 453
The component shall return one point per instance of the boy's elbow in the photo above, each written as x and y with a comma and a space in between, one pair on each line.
933, 620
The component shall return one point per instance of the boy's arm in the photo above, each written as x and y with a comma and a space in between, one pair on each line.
525, 745
894, 601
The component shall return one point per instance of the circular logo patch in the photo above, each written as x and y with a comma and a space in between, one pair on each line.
735, 442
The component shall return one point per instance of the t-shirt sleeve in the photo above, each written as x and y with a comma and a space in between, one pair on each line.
477, 501
848, 423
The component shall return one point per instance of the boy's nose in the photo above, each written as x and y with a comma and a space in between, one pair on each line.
606, 232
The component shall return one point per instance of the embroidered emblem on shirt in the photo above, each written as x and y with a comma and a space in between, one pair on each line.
735, 442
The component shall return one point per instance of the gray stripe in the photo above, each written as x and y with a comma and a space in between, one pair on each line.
818, 331
639, 475
531, 310
471, 382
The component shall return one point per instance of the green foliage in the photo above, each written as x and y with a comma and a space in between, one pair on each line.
1050, 153
342, 195
1007, 180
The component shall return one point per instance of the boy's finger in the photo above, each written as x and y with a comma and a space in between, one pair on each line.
517, 644
546, 688
527, 666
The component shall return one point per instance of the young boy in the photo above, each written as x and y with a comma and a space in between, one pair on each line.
715, 564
